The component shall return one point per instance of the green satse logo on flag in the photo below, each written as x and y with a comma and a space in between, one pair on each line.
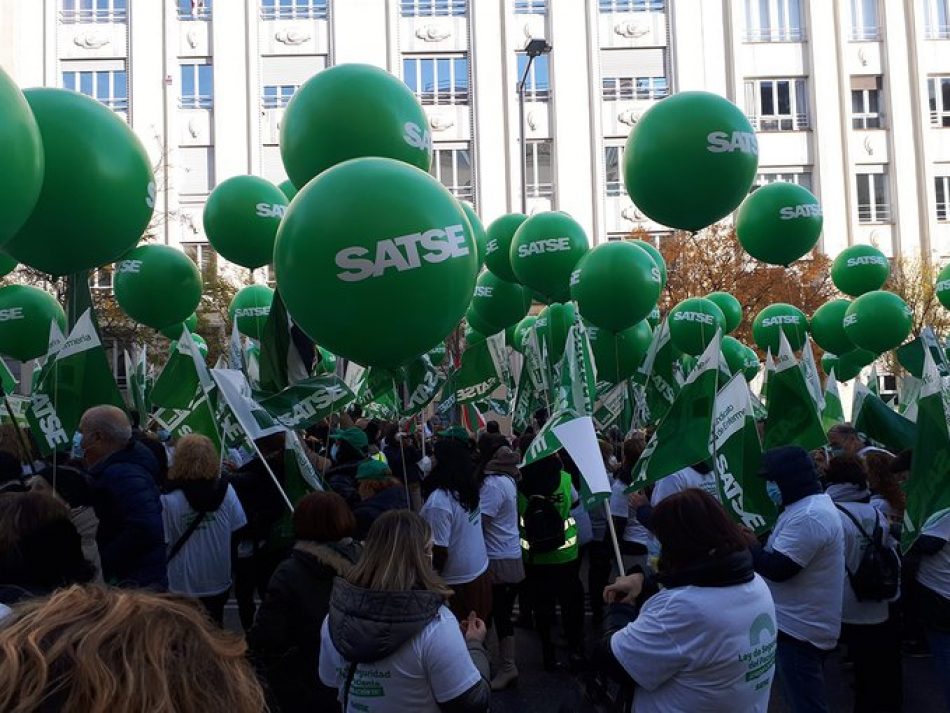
305, 403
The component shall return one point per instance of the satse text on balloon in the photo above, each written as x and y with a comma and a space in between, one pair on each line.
437, 245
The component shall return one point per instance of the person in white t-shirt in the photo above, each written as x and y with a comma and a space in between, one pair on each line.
452, 510
699, 476
873, 640
389, 643
803, 564
706, 641
200, 514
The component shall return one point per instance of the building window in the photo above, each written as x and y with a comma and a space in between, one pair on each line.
942, 185
632, 5
937, 19
864, 22
866, 102
197, 170
537, 85
94, 11
531, 7
101, 278
624, 88
204, 256
433, 8
437, 80
799, 178
874, 204
294, 9
777, 104
111, 87
277, 96
453, 167
194, 9
773, 21
538, 170
196, 86
938, 89
613, 178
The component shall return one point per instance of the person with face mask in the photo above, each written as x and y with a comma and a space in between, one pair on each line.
803, 564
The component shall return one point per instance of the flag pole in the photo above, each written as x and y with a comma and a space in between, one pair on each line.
21, 437
270, 472
613, 538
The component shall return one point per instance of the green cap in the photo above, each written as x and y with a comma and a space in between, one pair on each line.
354, 436
372, 469
456, 432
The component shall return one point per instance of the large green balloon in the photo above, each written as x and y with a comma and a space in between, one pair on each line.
654, 317
173, 331
616, 285
693, 324
522, 329
848, 365
241, 219
499, 303
731, 309
288, 189
98, 191
478, 324
827, 327
473, 337
157, 286
740, 358
943, 287
478, 231
779, 223
778, 318
251, 307
7, 264
657, 258
544, 251
752, 365
352, 111
552, 325
859, 269
500, 233
25, 317
618, 356
690, 160
878, 321
364, 236
21, 147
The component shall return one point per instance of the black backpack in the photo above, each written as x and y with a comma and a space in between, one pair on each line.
878, 575
543, 525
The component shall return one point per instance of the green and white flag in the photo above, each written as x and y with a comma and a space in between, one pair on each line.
499, 357
833, 412
382, 407
879, 423
307, 402
928, 489
682, 438
579, 439
236, 349
657, 375
197, 417
535, 364
8, 382
180, 379
911, 355
75, 378
527, 402
874, 381
234, 391
419, 385
766, 375
19, 406
476, 378
909, 393
610, 406
737, 455
252, 364
136, 370
373, 384
55, 343
281, 363
793, 418
810, 372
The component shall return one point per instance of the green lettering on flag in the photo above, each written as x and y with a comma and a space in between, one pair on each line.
197, 417
611, 405
305, 403
419, 382
793, 417
879, 423
833, 413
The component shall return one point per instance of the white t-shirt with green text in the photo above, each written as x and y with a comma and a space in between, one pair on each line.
460, 532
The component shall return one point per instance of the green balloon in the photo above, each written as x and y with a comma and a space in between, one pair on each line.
752, 365
22, 149
28, 313
352, 111
98, 190
618, 356
693, 324
943, 287
522, 330
197, 339
731, 309
859, 269
779, 223
478, 231
544, 251
828, 362
241, 219
500, 233
288, 189
657, 258
499, 303
827, 327
616, 285
368, 234
654, 317
552, 325
849, 365
878, 321
7, 264
157, 285
174, 331
251, 307
777, 318
478, 324
437, 354
690, 160
735, 353
473, 337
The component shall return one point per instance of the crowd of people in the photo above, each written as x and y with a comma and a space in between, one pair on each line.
382, 591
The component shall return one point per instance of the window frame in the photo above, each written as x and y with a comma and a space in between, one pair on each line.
203, 253
102, 278
116, 103
83, 11
634, 88
534, 188
942, 207
530, 7
531, 91
197, 100
200, 10
620, 6
860, 31
439, 97
801, 178
790, 28
433, 8
939, 107
864, 120
872, 213
295, 10
798, 117
455, 149
934, 28
281, 98
614, 187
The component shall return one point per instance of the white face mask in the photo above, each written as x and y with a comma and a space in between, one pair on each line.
425, 465
775, 494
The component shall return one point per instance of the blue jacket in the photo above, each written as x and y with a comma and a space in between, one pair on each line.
131, 536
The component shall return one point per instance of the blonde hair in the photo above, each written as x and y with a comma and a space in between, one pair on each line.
195, 459
394, 556
98, 650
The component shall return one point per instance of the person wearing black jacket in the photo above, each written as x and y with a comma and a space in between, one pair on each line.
379, 491
285, 639
349, 449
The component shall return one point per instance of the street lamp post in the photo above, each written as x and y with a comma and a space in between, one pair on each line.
534, 48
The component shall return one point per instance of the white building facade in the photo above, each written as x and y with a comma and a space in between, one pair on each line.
851, 98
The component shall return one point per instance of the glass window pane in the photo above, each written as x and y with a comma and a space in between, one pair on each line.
69, 80
461, 75
445, 167
864, 194
764, 16
873, 101
121, 84
85, 83
464, 168
541, 81
188, 80
426, 67
409, 74
544, 163
880, 195
784, 98
102, 85
204, 80
794, 16
932, 93
443, 76
857, 101
945, 91
766, 100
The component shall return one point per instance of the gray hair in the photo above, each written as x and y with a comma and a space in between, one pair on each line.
110, 422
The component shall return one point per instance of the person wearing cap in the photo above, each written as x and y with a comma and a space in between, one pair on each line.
349, 449
803, 564
379, 491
